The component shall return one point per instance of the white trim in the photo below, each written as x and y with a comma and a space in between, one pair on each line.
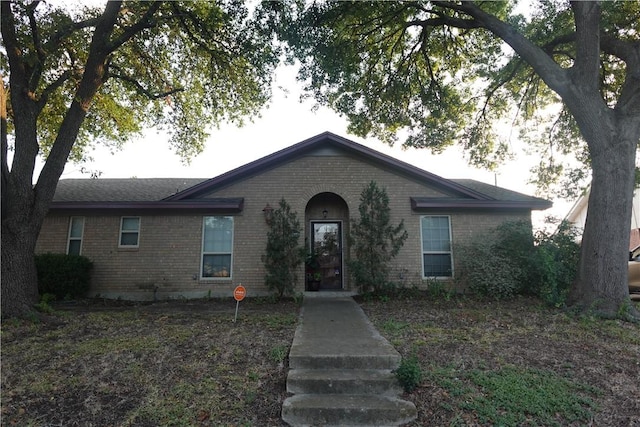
449, 252
69, 237
203, 253
137, 245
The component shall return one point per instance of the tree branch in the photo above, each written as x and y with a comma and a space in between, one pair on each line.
129, 32
26, 147
93, 78
18, 70
36, 72
552, 74
629, 99
59, 36
141, 89
587, 18
42, 101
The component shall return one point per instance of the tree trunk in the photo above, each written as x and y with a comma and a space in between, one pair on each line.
24, 206
602, 280
19, 277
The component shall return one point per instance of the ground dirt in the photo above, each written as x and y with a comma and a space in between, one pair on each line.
186, 363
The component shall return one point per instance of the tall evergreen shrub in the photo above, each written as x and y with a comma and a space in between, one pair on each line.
283, 252
374, 240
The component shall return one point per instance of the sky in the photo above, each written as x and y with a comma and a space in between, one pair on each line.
287, 121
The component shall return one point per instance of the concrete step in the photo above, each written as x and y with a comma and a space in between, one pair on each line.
388, 361
343, 381
346, 410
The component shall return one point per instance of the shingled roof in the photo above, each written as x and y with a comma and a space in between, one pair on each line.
121, 190
186, 193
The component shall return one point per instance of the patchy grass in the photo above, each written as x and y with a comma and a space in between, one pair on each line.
474, 363
178, 364
514, 363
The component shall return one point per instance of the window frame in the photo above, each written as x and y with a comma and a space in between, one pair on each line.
71, 238
423, 252
122, 232
204, 253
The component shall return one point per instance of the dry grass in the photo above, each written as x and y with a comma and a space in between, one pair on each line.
179, 364
514, 363
188, 364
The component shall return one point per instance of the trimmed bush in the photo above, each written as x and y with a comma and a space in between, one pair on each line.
65, 276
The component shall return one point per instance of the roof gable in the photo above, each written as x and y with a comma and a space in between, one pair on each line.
181, 194
324, 142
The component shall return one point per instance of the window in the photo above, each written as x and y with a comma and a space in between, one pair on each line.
217, 246
76, 229
129, 232
436, 246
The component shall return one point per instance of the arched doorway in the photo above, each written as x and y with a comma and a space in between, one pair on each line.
326, 225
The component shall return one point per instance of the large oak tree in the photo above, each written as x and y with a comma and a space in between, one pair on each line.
446, 72
75, 77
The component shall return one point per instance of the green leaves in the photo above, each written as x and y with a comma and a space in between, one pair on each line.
283, 254
375, 241
177, 66
434, 74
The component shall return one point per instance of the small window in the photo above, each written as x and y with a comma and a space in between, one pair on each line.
437, 258
217, 246
129, 232
76, 230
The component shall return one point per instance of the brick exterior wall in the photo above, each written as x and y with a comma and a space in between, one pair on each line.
169, 254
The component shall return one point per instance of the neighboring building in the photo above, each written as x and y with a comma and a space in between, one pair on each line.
173, 238
578, 216
578, 213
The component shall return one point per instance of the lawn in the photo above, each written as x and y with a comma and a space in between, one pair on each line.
165, 364
515, 363
186, 363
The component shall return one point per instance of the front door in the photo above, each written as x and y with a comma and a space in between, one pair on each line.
327, 245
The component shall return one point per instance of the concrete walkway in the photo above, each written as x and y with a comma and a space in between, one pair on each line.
341, 368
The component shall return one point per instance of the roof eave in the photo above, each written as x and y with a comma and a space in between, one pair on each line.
234, 205
418, 204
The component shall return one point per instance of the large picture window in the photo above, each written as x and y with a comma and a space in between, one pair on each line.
129, 232
76, 230
437, 260
217, 246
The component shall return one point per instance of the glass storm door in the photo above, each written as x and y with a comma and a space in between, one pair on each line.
327, 245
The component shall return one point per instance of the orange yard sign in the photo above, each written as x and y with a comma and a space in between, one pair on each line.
239, 293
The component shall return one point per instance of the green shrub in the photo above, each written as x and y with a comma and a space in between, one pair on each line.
283, 253
489, 271
511, 260
65, 276
409, 374
374, 241
558, 257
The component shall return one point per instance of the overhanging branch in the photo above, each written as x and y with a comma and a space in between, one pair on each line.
553, 75
144, 22
141, 89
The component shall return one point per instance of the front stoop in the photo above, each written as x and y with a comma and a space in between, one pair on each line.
347, 410
342, 370
343, 381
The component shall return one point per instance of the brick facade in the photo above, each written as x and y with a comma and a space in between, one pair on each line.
168, 260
